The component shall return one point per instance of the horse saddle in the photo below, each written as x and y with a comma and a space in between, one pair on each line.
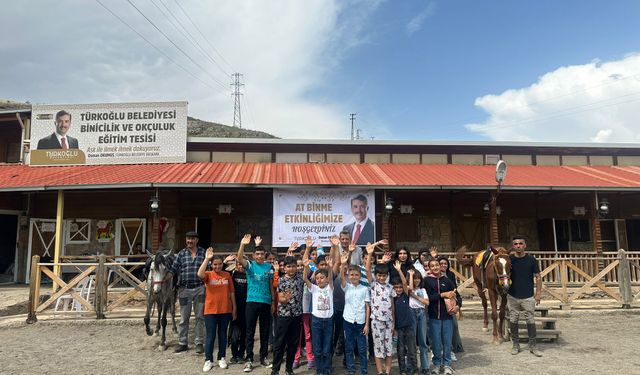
483, 258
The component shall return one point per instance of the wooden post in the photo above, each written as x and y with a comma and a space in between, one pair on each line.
596, 235
34, 289
58, 245
493, 220
101, 287
564, 281
624, 279
155, 233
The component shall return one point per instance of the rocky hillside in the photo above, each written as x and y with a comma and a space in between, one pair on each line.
201, 128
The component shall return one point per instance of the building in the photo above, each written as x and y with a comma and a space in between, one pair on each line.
564, 198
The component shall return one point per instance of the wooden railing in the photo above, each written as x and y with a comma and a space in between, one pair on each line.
82, 267
569, 276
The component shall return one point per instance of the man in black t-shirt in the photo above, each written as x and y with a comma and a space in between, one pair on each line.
521, 299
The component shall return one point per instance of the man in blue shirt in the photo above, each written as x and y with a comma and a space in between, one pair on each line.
259, 298
190, 292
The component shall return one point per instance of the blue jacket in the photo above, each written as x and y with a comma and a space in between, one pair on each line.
435, 286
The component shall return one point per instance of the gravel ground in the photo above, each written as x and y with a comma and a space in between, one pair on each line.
592, 342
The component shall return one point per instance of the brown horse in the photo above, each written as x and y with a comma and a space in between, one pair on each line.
497, 278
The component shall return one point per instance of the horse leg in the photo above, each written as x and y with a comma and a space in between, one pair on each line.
160, 306
503, 311
147, 316
163, 340
483, 298
494, 315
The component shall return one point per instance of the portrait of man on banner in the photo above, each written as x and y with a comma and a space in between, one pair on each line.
59, 139
362, 228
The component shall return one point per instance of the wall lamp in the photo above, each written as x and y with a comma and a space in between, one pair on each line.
604, 206
154, 204
388, 206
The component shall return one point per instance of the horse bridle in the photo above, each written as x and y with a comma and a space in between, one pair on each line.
501, 277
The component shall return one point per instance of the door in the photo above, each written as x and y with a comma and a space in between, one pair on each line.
42, 238
8, 241
470, 232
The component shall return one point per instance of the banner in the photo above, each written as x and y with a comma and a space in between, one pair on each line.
322, 213
121, 133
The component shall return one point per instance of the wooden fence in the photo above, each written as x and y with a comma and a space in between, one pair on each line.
566, 277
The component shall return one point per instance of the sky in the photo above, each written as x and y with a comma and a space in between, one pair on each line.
448, 70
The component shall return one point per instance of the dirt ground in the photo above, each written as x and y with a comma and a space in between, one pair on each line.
592, 342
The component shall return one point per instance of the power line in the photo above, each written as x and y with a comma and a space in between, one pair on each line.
154, 46
202, 34
175, 45
188, 35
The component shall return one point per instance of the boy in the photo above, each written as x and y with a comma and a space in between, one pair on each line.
321, 316
259, 298
355, 316
239, 326
405, 324
287, 331
382, 312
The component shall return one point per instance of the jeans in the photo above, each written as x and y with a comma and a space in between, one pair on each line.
406, 347
216, 323
321, 336
353, 333
441, 336
255, 311
338, 331
189, 298
286, 339
238, 347
421, 335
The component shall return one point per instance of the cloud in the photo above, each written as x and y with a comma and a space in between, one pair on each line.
416, 23
77, 52
594, 102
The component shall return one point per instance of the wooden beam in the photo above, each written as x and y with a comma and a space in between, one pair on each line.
58, 246
34, 293
593, 280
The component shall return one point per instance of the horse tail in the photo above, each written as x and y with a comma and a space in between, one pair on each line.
461, 259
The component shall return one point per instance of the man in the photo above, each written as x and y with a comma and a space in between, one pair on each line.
521, 299
59, 139
190, 292
259, 298
345, 247
363, 229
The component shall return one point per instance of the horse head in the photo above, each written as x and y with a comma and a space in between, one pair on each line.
502, 265
157, 271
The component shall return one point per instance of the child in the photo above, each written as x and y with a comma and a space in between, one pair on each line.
417, 302
321, 316
219, 307
259, 299
287, 332
382, 312
438, 288
305, 332
405, 323
239, 325
456, 342
355, 316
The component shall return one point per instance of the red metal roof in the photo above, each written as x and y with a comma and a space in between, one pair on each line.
20, 177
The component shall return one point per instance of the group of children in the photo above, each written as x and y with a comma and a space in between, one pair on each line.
391, 302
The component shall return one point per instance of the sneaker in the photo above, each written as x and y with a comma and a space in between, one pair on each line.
199, 349
248, 367
453, 357
181, 348
208, 365
265, 363
310, 365
289, 372
222, 363
296, 364
234, 360
448, 370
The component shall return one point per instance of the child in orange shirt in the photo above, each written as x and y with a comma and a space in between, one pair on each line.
219, 307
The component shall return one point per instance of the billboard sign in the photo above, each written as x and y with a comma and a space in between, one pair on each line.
119, 133
321, 213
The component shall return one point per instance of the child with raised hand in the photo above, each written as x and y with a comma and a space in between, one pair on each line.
305, 332
417, 301
355, 316
219, 307
404, 323
287, 332
321, 316
382, 312
438, 288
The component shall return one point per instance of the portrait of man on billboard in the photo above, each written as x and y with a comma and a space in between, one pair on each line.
59, 138
362, 229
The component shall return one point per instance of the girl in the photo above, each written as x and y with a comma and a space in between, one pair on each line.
219, 307
417, 302
456, 344
403, 256
438, 288
321, 316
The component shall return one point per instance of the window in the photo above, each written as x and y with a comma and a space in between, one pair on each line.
77, 231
